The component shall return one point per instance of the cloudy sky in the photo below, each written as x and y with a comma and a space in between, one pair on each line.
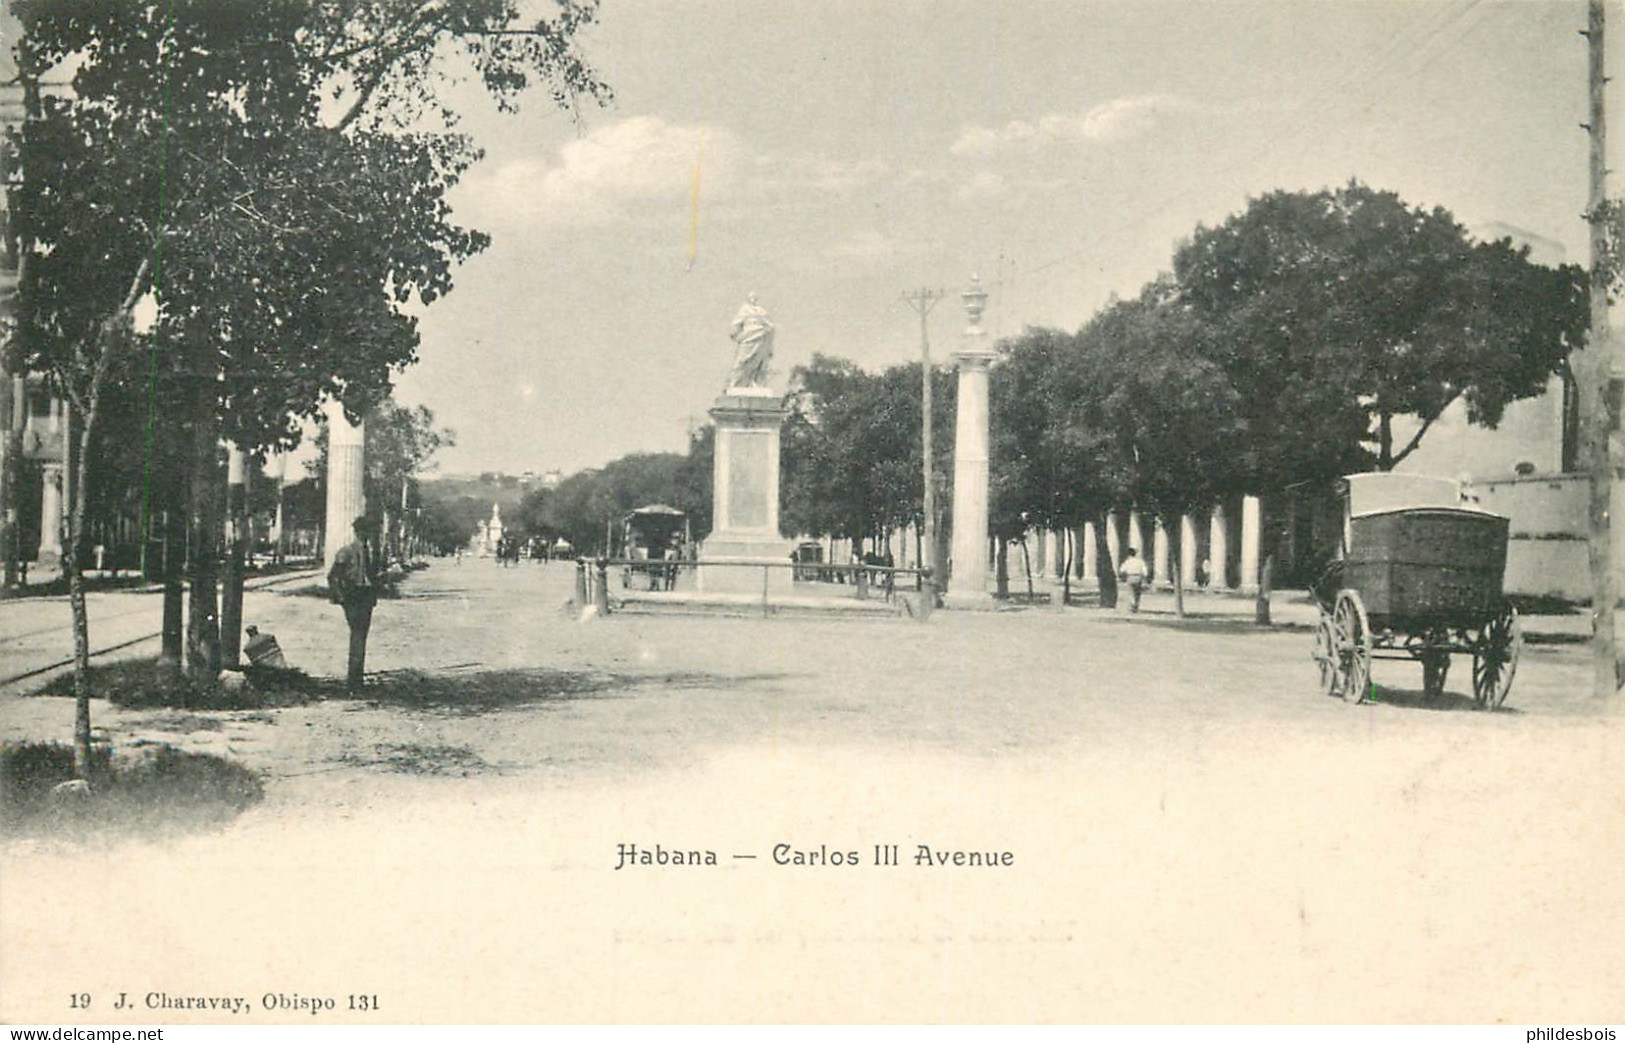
848, 151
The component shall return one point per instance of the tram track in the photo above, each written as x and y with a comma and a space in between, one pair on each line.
39, 671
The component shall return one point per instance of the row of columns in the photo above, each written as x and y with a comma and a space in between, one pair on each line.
1051, 555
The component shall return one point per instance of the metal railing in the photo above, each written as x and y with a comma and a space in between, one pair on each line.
596, 579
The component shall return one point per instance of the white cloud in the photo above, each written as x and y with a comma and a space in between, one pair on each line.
618, 171
642, 167
1105, 122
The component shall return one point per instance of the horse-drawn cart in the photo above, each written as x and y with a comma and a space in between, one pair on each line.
1419, 578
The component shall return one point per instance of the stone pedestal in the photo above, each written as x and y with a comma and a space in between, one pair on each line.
346, 480
745, 497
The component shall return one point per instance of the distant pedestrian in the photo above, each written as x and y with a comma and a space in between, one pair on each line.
1132, 572
353, 582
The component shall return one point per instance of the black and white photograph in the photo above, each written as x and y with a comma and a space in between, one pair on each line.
592, 512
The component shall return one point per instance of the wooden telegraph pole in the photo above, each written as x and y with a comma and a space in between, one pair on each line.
1593, 376
922, 301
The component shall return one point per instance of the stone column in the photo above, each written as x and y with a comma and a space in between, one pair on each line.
346, 480
1250, 543
1218, 552
1038, 540
1187, 551
50, 513
745, 497
1091, 560
1114, 541
967, 584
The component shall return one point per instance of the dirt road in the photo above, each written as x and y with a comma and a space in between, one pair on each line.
1194, 834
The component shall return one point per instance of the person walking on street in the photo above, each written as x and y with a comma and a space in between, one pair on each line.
353, 582
1133, 573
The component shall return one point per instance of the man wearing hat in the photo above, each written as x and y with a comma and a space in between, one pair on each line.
353, 582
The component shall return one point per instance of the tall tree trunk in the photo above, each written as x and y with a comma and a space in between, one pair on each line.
1105, 571
203, 608
1176, 567
231, 606
1001, 573
76, 482
1385, 441
1027, 566
173, 645
1067, 553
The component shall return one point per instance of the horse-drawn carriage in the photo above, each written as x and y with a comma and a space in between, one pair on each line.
1419, 578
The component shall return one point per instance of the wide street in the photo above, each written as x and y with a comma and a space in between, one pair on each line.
1195, 833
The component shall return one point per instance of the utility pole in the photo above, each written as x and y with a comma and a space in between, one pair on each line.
922, 301
1595, 373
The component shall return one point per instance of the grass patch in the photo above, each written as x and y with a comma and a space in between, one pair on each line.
413, 759
144, 684
154, 790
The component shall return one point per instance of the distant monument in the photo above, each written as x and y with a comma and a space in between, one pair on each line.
753, 332
745, 471
492, 534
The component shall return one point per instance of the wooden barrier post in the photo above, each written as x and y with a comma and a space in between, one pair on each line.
601, 595
581, 584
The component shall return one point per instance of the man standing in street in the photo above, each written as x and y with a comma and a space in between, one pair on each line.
353, 582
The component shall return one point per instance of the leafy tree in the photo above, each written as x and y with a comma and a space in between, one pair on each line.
851, 449
1174, 415
1336, 313
192, 166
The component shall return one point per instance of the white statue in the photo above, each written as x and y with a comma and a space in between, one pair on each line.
753, 332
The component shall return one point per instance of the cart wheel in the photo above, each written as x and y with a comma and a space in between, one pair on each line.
1435, 668
1496, 658
1326, 658
1352, 632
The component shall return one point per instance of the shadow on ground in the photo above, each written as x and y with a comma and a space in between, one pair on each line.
1207, 623
460, 690
1414, 699
156, 790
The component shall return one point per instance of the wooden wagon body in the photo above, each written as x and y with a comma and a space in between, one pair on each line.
1428, 565
1419, 578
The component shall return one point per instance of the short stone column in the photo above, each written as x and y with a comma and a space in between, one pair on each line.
1218, 552
745, 498
51, 511
1091, 560
967, 582
1114, 541
1250, 543
346, 479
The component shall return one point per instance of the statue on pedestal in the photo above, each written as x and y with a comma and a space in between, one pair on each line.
753, 332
